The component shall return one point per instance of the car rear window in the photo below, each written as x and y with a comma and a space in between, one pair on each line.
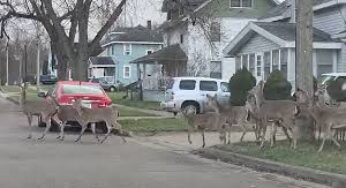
208, 86
187, 85
82, 89
169, 84
224, 87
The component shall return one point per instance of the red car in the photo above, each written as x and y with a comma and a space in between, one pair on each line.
92, 94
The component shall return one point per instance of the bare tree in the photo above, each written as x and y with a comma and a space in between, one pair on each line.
67, 24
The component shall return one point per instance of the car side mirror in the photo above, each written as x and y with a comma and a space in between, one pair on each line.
42, 94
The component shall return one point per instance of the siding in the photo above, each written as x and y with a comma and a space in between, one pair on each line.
330, 20
341, 66
258, 44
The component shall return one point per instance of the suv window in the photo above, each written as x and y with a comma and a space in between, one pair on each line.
208, 86
187, 85
170, 84
224, 87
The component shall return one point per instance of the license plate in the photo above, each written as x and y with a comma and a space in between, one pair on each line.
86, 104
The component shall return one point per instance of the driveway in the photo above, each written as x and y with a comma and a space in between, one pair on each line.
138, 163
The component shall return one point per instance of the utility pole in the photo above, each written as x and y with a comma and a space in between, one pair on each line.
38, 57
7, 59
304, 67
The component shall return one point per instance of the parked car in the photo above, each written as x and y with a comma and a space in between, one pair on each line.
325, 78
48, 79
106, 84
183, 92
67, 92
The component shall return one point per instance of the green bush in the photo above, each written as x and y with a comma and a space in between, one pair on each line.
241, 82
277, 87
335, 89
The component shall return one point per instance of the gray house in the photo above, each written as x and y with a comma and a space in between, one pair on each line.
270, 44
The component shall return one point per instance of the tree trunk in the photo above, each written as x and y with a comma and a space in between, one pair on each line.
304, 72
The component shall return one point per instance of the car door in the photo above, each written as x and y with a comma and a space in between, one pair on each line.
224, 94
207, 87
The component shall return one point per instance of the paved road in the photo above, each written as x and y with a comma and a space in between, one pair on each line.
52, 164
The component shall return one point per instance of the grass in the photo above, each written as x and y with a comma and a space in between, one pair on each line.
157, 125
125, 112
330, 160
117, 98
10, 89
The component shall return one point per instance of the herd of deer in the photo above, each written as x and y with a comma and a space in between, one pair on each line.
49, 109
259, 113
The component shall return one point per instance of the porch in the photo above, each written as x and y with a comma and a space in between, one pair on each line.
102, 67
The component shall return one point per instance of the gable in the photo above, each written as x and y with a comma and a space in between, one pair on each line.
258, 43
221, 8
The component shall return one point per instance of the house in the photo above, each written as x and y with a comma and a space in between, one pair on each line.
102, 67
124, 45
270, 44
199, 30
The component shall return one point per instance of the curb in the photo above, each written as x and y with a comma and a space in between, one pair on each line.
303, 173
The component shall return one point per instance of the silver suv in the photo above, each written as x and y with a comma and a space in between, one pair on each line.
182, 92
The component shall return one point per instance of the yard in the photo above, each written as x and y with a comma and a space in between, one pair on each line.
153, 126
117, 98
331, 159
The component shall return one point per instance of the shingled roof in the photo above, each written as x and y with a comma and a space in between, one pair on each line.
135, 34
171, 53
101, 61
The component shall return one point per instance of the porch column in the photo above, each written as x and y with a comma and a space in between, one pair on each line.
314, 63
291, 67
335, 61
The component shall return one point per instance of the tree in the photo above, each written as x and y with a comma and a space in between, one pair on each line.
277, 87
240, 84
67, 24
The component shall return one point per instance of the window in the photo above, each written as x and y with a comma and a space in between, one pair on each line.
241, 3
284, 60
127, 72
149, 52
208, 86
266, 59
169, 15
245, 61
224, 86
324, 60
275, 60
215, 32
127, 49
237, 63
259, 65
252, 64
216, 69
181, 38
187, 85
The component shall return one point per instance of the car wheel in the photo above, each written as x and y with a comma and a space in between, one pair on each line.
54, 127
191, 105
112, 89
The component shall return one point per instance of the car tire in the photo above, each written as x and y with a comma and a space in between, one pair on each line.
112, 89
191, 105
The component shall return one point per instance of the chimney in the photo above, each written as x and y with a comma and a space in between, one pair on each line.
149, 24
293, 12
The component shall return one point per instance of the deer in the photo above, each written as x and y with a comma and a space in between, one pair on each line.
42, 108
230, 115
281, 112
109, 115
327, 118
202, 122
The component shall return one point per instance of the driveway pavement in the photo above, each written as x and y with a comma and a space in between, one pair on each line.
138, 163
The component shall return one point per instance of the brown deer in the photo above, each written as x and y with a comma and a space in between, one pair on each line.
109, 115
42, 108
229, 115
202, 122
281, 112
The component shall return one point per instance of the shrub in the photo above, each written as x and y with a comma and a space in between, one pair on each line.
335, 89
277, 87
241, 82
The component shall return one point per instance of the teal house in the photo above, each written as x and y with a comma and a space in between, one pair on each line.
124, 45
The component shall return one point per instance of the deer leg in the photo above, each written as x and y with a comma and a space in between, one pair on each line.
29, 116
62, 134
335, 141
322, 145
229, 129
203, 138
264, 129
48, 125
244, 133
189, 134
109, 130
93, 129
84, 127
273, 133
120, 131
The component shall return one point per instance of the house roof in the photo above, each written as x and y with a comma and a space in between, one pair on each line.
189, 4
283, 34
134, 34
170, 53
102, 61
283, 10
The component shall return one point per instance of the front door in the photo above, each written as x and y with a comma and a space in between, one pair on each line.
259, 67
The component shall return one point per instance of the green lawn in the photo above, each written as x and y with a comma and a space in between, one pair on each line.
125, 112
331, 159
117, 98
10, 89
157, 125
